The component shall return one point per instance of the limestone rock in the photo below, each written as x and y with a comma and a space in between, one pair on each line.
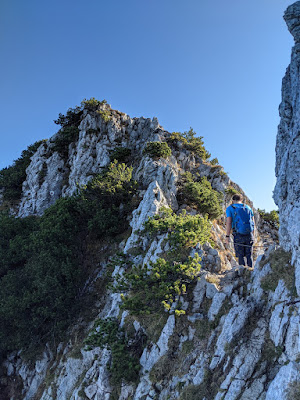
286, 193
292, 19
150, 357
287, 374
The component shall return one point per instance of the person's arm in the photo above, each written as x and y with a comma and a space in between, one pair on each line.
228, 228
254, 228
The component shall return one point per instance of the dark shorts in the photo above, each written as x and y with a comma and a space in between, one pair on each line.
243, 248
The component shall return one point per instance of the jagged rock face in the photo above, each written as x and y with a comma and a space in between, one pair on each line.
238, 340
49, 176
287, 190
292, 18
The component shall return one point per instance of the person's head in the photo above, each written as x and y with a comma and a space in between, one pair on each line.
236, 198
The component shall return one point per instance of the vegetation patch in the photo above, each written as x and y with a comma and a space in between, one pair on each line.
207, 389
158, 285
230, 190
121, 154
113, 183
69, 123
149, 287
280, 262
124, 361
42, 259
92, 104
161, 369
270, 352
12, 178
106, 115
43, 173
214, 161
188, 346
183, 230
157, 150
73, 116
201, 195
203, 328
153, 324
190, 142
272, 217
66, 136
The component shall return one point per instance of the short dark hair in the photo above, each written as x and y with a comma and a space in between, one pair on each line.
236, 197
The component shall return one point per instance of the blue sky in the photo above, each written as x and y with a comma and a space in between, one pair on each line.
213, 66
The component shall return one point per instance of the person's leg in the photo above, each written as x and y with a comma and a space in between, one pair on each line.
239, 250
248, 252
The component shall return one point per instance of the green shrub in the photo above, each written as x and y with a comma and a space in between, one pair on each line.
92, 104
151, 287
157, 150
124, 361
207, 200
15, 241
41, 258
66, 136
230, 190
191, 143
116, 181
223, 173
103, 197
72, 117
271, 217
12, 178
105, 115
214, 161
121, 154
184, 230
41, 282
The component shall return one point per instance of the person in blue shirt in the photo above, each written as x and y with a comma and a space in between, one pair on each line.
240, 219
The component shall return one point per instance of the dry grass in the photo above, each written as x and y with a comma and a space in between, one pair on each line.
280, 262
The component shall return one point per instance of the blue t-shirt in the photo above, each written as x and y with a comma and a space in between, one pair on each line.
230, 211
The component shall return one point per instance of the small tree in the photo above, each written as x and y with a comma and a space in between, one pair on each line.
157, 150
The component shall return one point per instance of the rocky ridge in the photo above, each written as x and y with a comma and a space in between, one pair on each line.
239, 338
213, 341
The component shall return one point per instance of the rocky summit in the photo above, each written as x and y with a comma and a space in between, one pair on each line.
116, 282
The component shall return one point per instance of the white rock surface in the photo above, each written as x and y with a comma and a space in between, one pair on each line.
159, 349
286, 193
287, 374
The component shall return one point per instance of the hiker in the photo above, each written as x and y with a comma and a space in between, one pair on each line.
241, 219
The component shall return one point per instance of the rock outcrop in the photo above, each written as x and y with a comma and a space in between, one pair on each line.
287, 190
237, 334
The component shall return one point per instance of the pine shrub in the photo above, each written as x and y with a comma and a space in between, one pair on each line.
200, 194
12, 178
66, 136
146, 289
41, 258
156, 285
184, 230
157, 150
191, 142
272, 217
121, 154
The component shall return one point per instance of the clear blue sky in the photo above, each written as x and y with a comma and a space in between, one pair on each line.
215, 66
